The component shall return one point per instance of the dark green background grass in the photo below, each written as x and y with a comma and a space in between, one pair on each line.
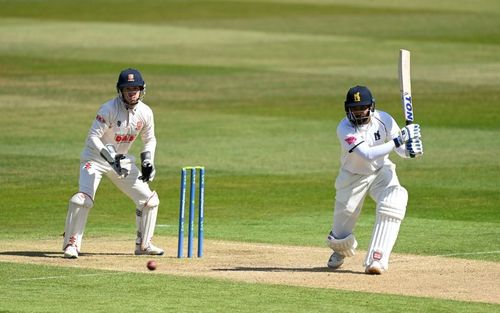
254, 90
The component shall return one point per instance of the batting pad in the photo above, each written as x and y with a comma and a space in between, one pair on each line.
383, 239
393, 202
346, 246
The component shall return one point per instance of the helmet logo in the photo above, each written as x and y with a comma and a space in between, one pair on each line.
130, 78
357, 97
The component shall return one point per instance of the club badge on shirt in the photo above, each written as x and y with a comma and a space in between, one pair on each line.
100, 119
350, 140
138, 126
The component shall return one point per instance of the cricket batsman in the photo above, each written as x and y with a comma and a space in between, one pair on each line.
117, 125
367, 137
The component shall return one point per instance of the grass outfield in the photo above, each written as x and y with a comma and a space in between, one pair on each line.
108, 291
253, 90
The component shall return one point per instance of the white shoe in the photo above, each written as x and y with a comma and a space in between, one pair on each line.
70, 252
336, 260
375, 268
150, 250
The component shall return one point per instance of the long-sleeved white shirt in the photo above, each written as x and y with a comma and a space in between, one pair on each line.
366, 148
116, 125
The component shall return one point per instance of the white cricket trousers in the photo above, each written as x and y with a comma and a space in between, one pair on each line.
91, 173
351, 191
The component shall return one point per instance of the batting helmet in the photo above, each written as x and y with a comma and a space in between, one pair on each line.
358, 96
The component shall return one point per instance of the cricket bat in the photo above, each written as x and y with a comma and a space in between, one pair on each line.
405, 85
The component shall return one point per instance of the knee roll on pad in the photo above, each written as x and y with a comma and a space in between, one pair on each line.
346, 246
153, 201
393, 202
82, 200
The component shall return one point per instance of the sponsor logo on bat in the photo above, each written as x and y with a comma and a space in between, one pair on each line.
408, 108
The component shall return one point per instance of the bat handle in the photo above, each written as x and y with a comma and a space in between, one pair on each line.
409, 122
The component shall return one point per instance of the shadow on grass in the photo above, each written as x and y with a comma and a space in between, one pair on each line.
52, 254
286, 269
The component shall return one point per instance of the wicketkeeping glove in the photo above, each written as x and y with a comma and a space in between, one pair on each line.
408, 133
414, 148
113, 158
147, 167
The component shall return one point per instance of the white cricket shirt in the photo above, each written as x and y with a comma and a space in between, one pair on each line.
117, 125
381, 129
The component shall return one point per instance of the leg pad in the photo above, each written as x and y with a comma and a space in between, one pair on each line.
146, 221
346, 246
78, 211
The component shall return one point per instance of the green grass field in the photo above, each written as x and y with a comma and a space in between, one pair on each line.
252, 90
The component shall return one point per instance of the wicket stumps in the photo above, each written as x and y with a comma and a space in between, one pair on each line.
182, 209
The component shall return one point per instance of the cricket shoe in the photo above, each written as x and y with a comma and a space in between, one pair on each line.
336, 260
375, 268
70, 252
150, 250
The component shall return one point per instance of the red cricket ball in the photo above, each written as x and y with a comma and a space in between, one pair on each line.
151, 265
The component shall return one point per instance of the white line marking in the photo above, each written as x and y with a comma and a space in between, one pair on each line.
469, 253
66, 276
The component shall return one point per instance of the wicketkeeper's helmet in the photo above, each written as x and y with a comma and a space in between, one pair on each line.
130, 78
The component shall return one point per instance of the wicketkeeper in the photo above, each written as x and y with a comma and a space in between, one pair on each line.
115, 128
367, 137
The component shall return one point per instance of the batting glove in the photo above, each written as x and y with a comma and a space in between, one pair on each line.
408, 133
414, 148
